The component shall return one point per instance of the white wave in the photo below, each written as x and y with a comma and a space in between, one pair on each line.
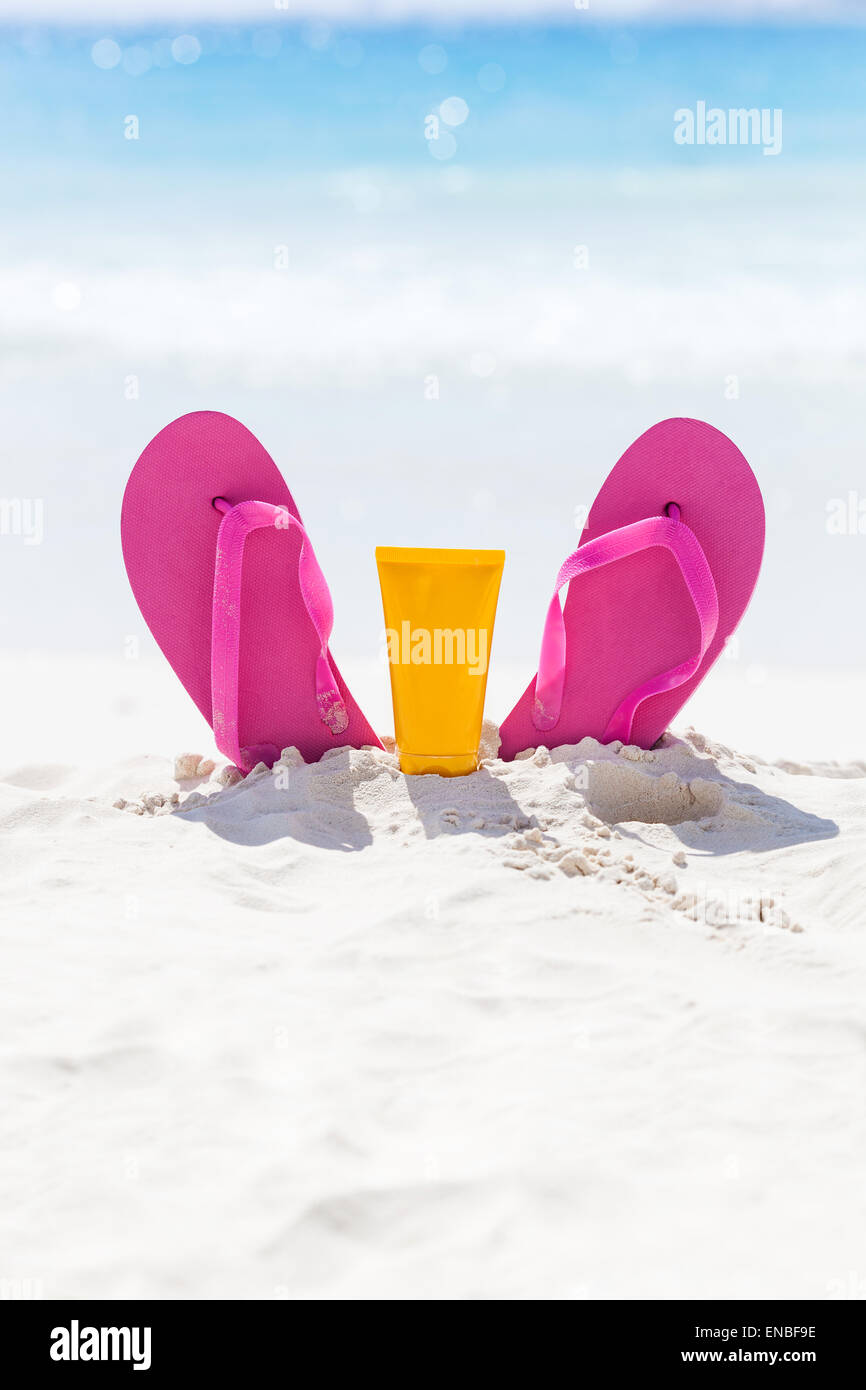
333, 323
685, 276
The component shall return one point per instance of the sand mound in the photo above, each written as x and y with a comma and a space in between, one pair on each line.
579, 811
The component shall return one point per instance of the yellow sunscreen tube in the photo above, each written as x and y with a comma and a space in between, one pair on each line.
439, 611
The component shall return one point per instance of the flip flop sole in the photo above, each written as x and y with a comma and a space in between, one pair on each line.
633, 619
169, 532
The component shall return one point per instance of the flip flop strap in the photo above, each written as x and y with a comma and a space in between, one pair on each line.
681, 541
236, 525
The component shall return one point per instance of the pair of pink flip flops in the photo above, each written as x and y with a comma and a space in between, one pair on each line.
229, 585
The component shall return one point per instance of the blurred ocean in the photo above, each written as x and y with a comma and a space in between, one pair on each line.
444, 341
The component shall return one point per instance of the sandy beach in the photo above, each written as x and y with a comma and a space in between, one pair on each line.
559, 1029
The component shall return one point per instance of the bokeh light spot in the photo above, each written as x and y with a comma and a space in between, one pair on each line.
433, 58
444, 146
318, 36
454, 111
106, 53
136, 60
186, 49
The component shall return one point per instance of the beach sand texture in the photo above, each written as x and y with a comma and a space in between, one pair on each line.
589, 1024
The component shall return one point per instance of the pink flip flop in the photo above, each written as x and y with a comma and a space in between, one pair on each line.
227, 581
665, 568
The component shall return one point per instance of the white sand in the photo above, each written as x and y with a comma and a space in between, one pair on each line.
584, 1025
